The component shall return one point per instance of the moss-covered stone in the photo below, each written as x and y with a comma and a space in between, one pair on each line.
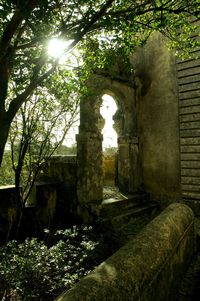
149, 267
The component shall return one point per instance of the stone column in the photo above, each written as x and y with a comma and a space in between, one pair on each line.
89, 168
128, 164
89, 156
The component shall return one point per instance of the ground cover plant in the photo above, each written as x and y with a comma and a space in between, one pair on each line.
42, 269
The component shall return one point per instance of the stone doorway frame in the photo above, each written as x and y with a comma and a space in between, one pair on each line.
89, 139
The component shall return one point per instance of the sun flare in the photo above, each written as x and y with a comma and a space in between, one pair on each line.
56, 47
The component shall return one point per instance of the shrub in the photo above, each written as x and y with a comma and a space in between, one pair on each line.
33, 271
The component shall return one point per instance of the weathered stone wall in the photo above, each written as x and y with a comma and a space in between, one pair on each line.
148, 268
55, 189
60, 169
109, 170
44, 197
129, 169
53, 199
157, 116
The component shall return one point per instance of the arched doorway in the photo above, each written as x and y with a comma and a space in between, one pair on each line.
109, 145
90, 178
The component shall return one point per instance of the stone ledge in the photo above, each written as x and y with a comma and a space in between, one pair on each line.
63, 159
147, 268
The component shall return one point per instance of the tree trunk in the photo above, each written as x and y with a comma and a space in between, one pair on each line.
4, 131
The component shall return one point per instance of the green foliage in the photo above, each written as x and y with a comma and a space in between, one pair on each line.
123, 25
40, 128
7, 176
110, 151
63, 150
33, 271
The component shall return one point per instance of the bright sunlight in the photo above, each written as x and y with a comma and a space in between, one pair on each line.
56, 47
107, 111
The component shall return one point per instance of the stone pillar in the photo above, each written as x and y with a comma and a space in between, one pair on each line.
89, 152
89, 168
128, 164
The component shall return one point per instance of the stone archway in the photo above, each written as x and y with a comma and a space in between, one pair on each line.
109, 145
89, 140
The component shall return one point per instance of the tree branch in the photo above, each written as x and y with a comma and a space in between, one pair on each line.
20, 99
4, 76
83, 31
9, 32
137, 11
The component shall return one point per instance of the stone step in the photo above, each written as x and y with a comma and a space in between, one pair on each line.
140, 210
119, 229
119, 211
114, 207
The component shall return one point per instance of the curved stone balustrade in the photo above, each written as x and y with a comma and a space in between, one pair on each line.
148, 268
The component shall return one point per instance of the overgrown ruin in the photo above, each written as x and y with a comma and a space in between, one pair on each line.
158, 128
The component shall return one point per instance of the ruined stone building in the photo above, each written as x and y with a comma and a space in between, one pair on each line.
158, 127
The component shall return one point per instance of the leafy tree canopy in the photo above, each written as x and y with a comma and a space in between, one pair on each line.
93, 27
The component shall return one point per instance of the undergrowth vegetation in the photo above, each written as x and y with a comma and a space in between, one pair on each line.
41, 270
